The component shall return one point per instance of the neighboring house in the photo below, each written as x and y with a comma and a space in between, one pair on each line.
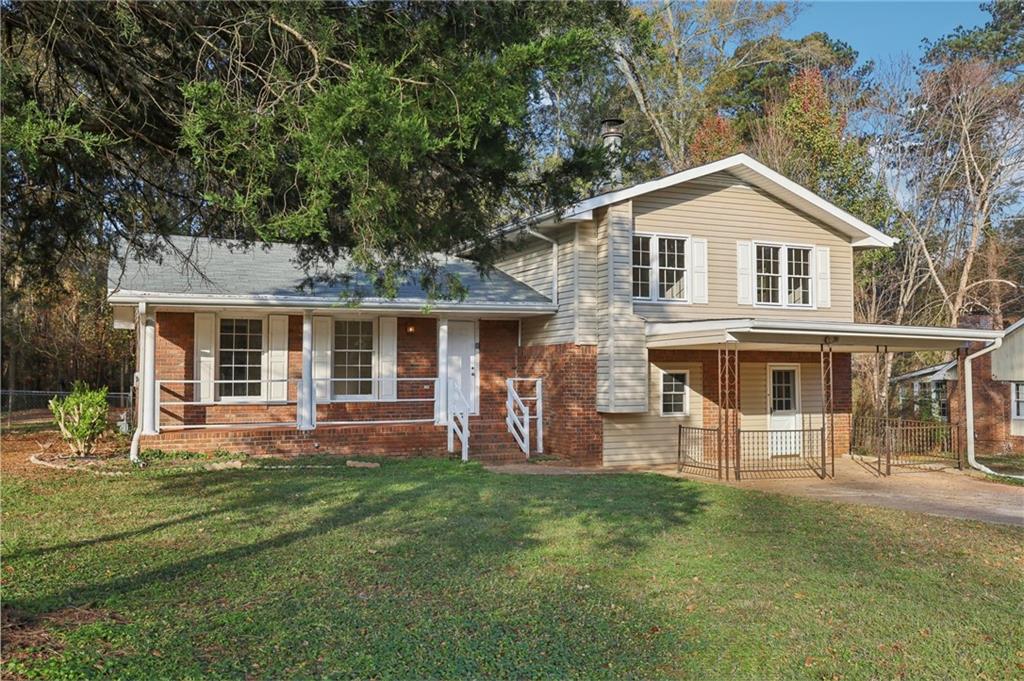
719, 299
924, 393
998, 379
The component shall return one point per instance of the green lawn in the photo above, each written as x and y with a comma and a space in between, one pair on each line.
430, 568
1010, 464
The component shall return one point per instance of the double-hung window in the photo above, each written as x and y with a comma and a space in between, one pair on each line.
352, 368
675, 398
1017, 403
660, 267
940, 398
642, 267
783, 275
240, 358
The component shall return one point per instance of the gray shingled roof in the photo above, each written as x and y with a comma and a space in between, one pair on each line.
271, 273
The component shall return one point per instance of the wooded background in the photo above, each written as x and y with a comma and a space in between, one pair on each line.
390, 131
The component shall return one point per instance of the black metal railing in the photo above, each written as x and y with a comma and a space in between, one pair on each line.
698, 451
906, 442
760, 452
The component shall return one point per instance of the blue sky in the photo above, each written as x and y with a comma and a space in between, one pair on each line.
884, 30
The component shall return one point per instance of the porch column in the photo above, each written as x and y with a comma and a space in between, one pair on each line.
441, 389
306, 395
149, 407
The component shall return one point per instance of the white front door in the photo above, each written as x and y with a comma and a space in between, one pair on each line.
462, 359
784, 410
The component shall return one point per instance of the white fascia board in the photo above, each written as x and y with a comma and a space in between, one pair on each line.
798, 327
398, 305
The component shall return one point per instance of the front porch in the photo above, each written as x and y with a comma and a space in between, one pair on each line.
345, 382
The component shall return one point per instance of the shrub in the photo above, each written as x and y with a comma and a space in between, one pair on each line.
81, 417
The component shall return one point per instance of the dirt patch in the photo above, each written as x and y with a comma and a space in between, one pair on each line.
23, 636
17, 447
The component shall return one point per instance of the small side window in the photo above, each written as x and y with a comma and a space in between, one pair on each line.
675, 394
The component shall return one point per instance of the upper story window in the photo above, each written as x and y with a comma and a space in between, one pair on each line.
352, 369
641, 267
662, 277
783, 275
1018, 401
241, 358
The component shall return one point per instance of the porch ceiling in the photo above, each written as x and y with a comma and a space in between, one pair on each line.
800, 335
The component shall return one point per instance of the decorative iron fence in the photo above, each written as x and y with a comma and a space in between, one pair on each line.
698, 451
780, 451
905, 442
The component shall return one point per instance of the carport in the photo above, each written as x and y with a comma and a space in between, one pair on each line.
730, 448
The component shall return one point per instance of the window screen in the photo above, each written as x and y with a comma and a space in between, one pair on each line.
241, 357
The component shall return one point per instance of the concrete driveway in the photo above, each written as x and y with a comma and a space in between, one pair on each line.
950, 493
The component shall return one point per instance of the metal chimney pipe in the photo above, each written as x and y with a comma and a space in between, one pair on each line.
611, 133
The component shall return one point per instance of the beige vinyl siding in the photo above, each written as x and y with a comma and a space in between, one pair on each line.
586, 285
754, 395
622, 339
723, 209
650, 438
1008, 361
530, 263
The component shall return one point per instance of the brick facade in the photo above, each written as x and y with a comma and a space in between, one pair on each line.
992, 404
572, 426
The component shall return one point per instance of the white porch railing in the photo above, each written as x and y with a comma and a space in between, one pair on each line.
164, 407
458, 419
172, 410
518, 417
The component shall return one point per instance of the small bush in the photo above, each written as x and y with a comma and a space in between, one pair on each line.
81, 417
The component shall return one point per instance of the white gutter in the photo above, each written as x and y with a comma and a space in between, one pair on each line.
969, 409
399, 305
554, 262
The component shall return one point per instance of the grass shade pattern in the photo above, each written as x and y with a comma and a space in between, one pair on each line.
431, 568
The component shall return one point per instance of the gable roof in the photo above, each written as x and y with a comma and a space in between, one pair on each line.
755, 173
236, 276
945, 371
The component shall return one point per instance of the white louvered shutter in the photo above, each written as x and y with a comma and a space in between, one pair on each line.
700, 271
388, 357
823, 273
323, 340
277, 357
744, 273
205, 332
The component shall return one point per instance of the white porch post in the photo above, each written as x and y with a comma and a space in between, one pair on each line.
441, 391
306, 396
149, 408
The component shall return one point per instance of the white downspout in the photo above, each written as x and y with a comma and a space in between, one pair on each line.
554, 262
969, 409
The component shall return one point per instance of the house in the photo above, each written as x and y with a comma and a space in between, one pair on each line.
708, 312
998, 390
924, 393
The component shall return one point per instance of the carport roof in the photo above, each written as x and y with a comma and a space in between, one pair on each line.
765, 334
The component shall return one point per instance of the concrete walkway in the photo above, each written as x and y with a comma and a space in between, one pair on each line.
948, 493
